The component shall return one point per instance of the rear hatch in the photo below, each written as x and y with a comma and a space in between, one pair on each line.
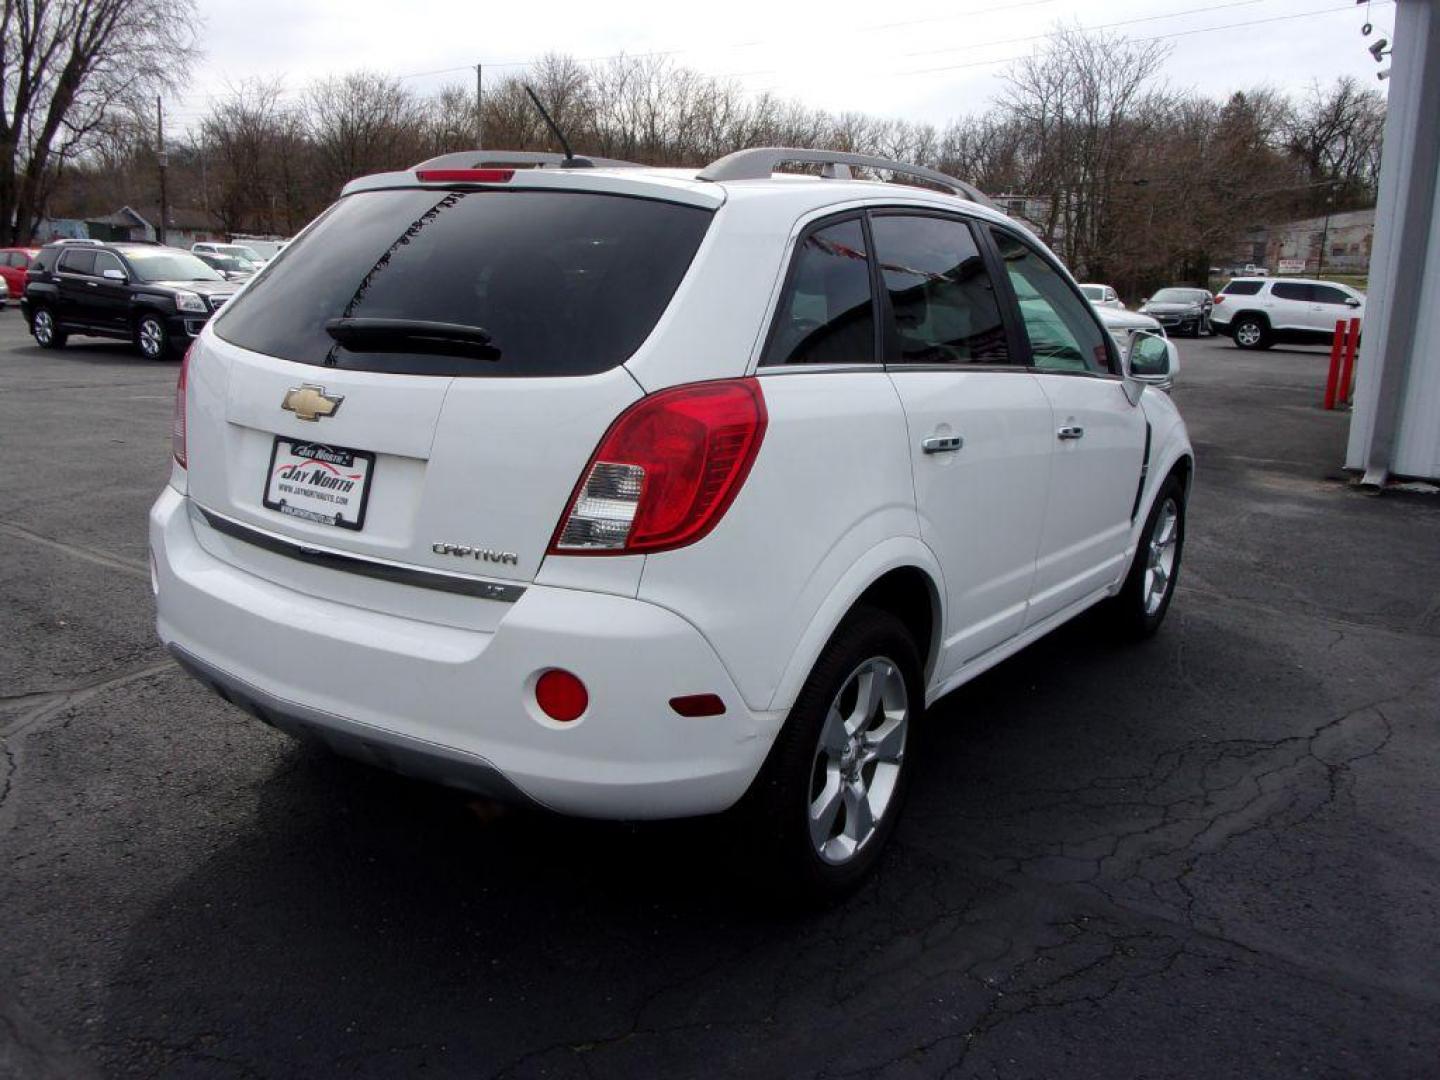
421, 378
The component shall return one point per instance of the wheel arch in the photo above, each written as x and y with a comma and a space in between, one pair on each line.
902, 576
1244, 313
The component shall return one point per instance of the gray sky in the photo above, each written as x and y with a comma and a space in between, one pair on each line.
922, 61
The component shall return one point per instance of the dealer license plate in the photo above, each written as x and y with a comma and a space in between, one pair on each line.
325, 484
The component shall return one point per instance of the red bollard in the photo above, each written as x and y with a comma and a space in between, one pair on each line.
1332, 381
1347, 371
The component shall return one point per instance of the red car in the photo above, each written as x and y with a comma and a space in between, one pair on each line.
13, 264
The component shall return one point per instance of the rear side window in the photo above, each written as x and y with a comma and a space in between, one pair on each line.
827, 315
536, 283
78, 262
1242, 288
941, 297
1289, 290
1064, 335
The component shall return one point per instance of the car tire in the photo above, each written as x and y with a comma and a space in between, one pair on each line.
151, 338
827, 799
1140, 606
1250, 332
45, 330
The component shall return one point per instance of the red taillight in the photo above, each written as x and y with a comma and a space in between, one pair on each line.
561, 695
666, 471
465, 176
1218, 299
177, 426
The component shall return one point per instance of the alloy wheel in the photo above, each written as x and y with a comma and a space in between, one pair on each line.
152, 338
44, 327
1160, 558
857, 762
1248, 334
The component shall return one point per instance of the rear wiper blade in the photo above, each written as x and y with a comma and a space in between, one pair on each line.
413, 335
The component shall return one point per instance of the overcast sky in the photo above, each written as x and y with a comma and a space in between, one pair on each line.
921, 61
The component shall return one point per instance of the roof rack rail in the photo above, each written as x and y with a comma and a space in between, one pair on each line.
760, 162
500, 159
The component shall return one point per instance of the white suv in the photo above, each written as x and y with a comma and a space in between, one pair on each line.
1258, 312
644, 493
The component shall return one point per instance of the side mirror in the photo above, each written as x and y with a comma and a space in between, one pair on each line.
1152, 359
1352, 301
114, 275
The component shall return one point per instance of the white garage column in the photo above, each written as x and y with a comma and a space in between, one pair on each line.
1395, 429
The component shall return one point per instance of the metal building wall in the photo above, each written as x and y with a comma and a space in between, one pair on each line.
1395, 428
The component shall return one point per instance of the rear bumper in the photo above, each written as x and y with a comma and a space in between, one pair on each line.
456, 705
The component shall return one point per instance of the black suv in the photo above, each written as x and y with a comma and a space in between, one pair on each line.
158, 297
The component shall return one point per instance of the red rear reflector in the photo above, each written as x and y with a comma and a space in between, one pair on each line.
177, 424
1218, 299
561, 695
698, 705
465, 176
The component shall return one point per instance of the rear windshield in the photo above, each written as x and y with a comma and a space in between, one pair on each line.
1242, 288
547, 283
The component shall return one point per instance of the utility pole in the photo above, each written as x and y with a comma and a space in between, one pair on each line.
479, 106
163, 162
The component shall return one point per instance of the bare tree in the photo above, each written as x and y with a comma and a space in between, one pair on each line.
362, 123
65, 66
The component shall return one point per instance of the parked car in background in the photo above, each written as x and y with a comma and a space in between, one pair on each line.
266, 249
232, 266
1103, 296
1259, 312
158, 297
4, 294
491, 516
1181, 309
234, 251
14, 265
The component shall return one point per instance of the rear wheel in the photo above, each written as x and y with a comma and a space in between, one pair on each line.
47, 334
828, 797
151, 338
1250, 332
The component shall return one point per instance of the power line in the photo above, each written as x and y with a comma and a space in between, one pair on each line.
1140, 40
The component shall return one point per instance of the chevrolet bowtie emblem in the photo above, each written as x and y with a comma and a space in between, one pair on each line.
310, 402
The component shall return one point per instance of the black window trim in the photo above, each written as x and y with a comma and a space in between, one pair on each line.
1014, 336
1112, 351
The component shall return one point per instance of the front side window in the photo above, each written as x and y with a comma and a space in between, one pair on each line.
1063, 333
942, 300
827, 315
106, 261
1328, 294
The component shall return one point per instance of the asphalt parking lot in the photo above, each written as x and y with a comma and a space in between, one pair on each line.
1213, 854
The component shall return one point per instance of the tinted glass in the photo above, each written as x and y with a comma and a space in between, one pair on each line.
106, 261
77, 262
1290, 290
1064, 335
561, 283
1242, 288
941, 296
1328, 294
45, 261
826, 315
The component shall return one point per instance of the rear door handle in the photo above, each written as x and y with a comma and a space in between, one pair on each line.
1070, 431
942, 444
